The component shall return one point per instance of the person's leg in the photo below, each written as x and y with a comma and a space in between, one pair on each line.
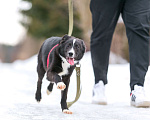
105, 14
136, 15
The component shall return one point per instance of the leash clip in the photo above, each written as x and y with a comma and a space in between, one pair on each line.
78, 69
78, 65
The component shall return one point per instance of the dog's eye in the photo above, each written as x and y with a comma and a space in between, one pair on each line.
77, 46
69, 45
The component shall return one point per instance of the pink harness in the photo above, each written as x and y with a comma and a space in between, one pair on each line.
49, 54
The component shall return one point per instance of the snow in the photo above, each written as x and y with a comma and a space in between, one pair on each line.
116, 59
18, 86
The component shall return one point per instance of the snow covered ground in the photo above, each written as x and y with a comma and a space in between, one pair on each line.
18, 86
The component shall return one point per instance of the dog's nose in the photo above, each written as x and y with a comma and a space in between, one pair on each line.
70, 54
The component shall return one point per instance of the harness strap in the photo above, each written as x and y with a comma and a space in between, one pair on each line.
50, 53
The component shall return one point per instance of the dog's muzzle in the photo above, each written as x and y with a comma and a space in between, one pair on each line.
70, 58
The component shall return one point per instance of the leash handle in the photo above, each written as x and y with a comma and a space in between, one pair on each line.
70, 7
78, 93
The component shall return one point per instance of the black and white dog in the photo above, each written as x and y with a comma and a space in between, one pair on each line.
58, 57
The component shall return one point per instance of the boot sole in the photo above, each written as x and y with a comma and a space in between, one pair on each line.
99, 103
141, 104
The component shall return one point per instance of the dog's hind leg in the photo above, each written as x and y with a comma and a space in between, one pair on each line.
50, 88
41, 72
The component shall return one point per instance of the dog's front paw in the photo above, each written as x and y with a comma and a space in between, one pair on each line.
38, 97
61, 86
66, 111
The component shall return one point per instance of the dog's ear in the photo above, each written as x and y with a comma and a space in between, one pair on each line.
64, 38
83, 46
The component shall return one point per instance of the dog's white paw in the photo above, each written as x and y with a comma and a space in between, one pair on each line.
67, 111
48, 92
61, 86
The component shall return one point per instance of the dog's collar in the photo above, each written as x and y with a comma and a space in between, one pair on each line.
50, 53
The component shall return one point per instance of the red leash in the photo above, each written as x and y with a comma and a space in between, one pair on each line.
49, 54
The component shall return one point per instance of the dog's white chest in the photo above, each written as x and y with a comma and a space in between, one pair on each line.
65, 66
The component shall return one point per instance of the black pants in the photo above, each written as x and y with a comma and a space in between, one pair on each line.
136, 16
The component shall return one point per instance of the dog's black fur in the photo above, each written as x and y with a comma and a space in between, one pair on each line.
57, 72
